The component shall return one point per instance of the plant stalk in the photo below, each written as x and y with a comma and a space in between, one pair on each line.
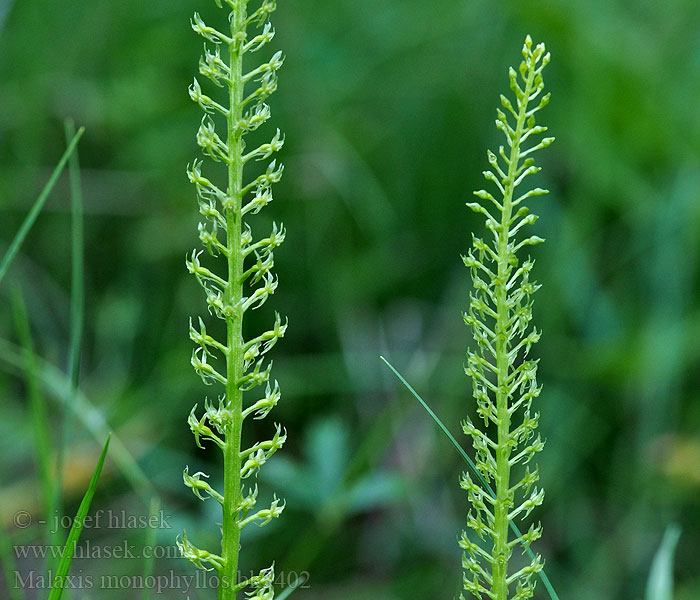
230, 543
501, 552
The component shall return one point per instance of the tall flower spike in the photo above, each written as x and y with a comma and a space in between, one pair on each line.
503, 375
246, 282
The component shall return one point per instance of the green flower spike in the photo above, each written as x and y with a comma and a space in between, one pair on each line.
247, 281
503, 375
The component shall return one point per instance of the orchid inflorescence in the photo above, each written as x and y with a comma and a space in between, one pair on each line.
503, 375
236, 364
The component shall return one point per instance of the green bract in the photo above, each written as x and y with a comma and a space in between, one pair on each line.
236, 364
503, 375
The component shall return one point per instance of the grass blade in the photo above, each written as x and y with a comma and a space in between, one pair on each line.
303, 578
149, 562
542, 575
76, 305
89, 415
74, 534
9, 565
660, 582
38, 205
50, 498
77, 296
37, 402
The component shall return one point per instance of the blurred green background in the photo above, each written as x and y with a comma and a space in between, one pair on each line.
388, 109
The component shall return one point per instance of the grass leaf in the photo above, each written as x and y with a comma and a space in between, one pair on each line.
149, 561
38, 205
74, 534
90, 416
9, 565
76, 306
37, 402
660, 582
77, 303
303, 578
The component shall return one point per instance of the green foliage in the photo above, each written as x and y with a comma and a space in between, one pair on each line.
58, 582
504, 378
37, 401
38, 205
247, 283
660, 581
375, 118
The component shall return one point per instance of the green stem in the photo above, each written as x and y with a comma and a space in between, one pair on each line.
230, 543
501, 552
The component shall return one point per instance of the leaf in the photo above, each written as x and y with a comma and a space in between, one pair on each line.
74, 534
77, 298
38, 205
9, 565
40, 423
151, 532
303, 578
37, 402
91, 416
660, 582
76, 305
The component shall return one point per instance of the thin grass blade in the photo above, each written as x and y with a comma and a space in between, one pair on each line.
91, 417
9, 565
303, 578
50, 498
660, 582
149, 561
38, 205
76, 529
37, 402
76, 305
542, 575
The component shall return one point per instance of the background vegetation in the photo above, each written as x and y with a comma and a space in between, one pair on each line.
388, 109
